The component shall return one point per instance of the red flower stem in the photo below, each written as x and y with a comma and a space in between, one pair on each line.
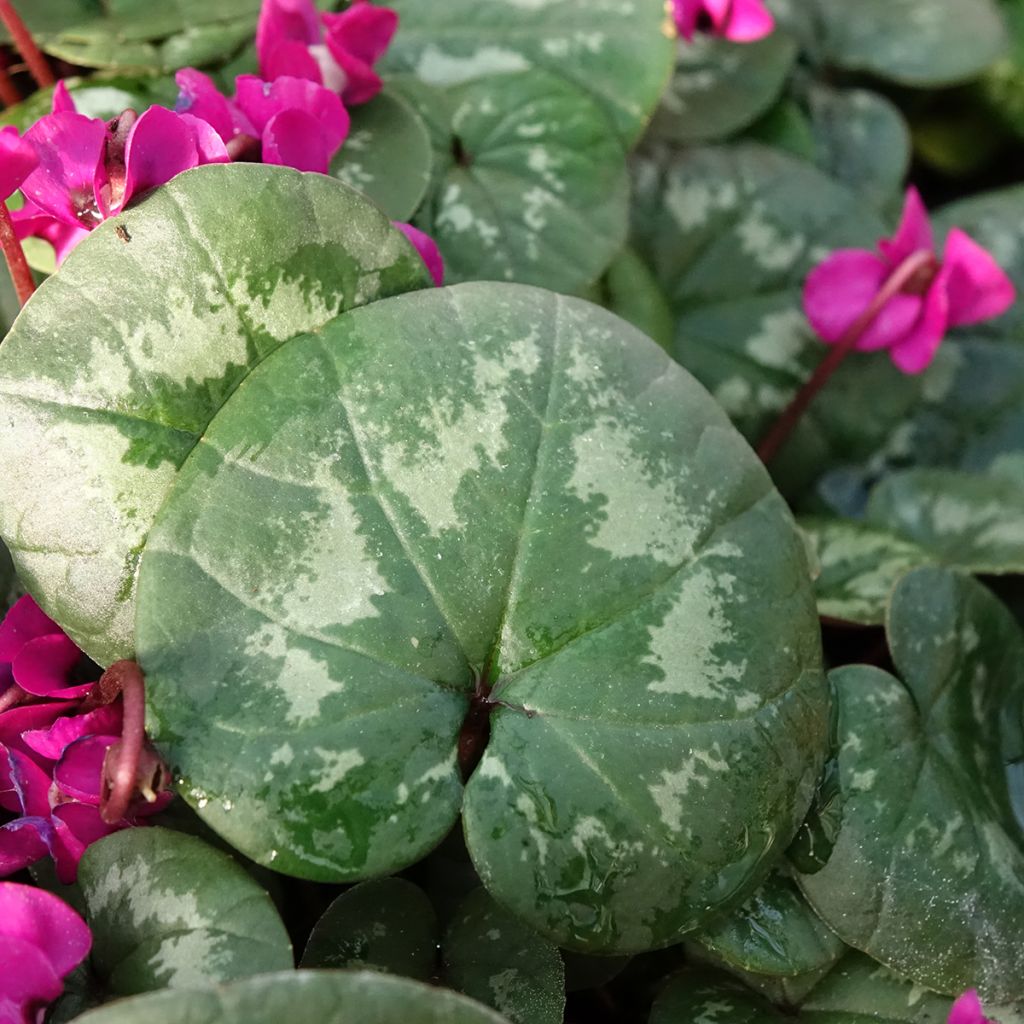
126, 676
11, 697
784, 426
21, 273
8, 90
26, 45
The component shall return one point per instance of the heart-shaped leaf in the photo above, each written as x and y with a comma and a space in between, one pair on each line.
387, 155
386, 924
120, 361
859, 566
719, 87
168, 911
302, 997
495, 958
927, 870
530, 182
488, 489
774, 933
620, 53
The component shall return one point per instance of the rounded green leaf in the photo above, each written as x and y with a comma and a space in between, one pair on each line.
774, 933
168, 911
927, 871
915, 42
531, 183
489, 485
386, 924
387, 155
619, 52
121, 360
495, 958
302, 997
719, 87
859, 566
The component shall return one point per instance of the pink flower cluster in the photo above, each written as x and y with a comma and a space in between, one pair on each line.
52, 748
75, 171
41, 941
739, 21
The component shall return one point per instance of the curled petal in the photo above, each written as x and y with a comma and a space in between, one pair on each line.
38, 917
22, 843
686, 14
839, 290
285, 21
292, 60
51, 742
24, 786
914, 353
210, 147
914, 231
357, 39
260, 101
27, 980
78, 775
160, 145
427, 249
24, 622
977, 286
749, 21
62, 102
18, 159
200, 97
69, 182
294, 138
967, 1010
18, 722
42, 666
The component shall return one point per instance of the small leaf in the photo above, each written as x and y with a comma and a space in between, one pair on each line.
387, 155
860, 565
387, 924
302, 997
720, 87
495, 958
927, 871
168, 911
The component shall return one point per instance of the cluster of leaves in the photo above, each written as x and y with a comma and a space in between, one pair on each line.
474, 592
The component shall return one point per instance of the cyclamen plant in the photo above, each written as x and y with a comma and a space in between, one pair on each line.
465, 621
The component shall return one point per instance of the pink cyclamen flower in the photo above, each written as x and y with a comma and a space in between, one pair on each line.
427, 248
337, 51
52, 749
967, 1010
740, 21
17, 161
929, 295
41, 941
89, 170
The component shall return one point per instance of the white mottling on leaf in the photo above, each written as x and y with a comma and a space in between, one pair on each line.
436, 67
670, 793
337, 765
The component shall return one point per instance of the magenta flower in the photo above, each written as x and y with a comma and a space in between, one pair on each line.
918, 297
967, 1010
17, 161
52, 750
337, 51
427, 248
740, 21
41, 941
89, 170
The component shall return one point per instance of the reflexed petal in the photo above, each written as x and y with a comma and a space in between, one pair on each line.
916, 351
285, 20
260, 101
199, 97
30, 221
62, 102
362, 83
160, 145
24, 786
18, 160
839, 290
294, 138
79, 773
357, 39
749, 20
291, 60
81, 826
27, 979
686, 13
913, 233
210, 148
45, 921
71, 174
977, 286
42, 666
14, 724
51, 743
22, 843
967, 1010
427, 248
25, 621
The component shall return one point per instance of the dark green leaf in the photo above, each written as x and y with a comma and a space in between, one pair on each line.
927, 872
219, 268
629, 290
302, 997
387, 924
495, 958
168, 911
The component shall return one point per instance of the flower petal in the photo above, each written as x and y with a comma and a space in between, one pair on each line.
260, 101
78, 774
978, 287
686, 14
24, 622
16, 723
841, 288
45, 921
69, 181
291, 60
914, 231
24, 786
30, 221
357, 39
967, 1010
62, 102
914, 353
427, 249
51, 742
27, 980
283, 21
18, 159
160, 145
210, 148
200, 97
749, 20
294, 138
22, 843
42, 666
